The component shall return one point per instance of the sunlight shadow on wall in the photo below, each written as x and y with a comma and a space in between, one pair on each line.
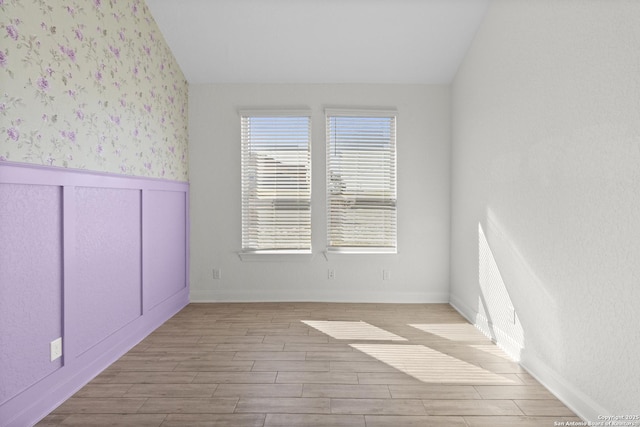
352, 330
496, 316
429, 365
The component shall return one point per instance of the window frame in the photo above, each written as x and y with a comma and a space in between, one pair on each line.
274, 253
391, 113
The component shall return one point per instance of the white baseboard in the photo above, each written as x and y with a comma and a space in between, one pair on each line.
574, 399
581, 404
203, 296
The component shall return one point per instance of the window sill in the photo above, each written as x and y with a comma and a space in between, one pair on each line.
276, 256
336, 253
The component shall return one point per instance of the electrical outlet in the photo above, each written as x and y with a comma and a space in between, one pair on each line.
331, 274
217, 274
386, 275
56, 349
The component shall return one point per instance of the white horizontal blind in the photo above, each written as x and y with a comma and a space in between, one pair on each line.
361, 181
276, 182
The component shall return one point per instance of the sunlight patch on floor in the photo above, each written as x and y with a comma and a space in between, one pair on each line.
352, 330
493, 350
452, 331
429, 365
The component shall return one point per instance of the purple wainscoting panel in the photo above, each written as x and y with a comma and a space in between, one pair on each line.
30, 284
71, 264
107, 292
164, 245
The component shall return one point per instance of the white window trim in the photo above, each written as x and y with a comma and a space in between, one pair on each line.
331, 252
277, 254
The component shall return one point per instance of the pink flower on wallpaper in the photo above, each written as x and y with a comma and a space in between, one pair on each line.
147, 49
172, 149
3, 59
3, 107
121, 34
49, 71
72, 93
147, 107
97, 3
115, 51
71, 11
147, 165
45, 118
80, 114
98, 76
115, 119
123, 102
43, 84
79, 34
99, 149
12, 32
135, 71
13, 133
69, 134
71, 54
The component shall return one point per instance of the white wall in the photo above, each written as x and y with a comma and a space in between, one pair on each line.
419, 272
546, 166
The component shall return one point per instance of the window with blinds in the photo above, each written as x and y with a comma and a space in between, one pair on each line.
361, 181
276, 182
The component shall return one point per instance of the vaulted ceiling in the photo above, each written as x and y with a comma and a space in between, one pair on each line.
319, 41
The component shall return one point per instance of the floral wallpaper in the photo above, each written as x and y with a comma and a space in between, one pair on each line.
90, 84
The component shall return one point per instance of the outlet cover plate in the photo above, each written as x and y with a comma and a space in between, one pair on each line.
56, 349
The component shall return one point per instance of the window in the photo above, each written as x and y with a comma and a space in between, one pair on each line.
361, 181
276, 182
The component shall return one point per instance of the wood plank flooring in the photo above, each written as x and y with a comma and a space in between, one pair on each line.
313, 364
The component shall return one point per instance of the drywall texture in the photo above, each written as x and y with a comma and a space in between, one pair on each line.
546, 155
419, 272
90, 85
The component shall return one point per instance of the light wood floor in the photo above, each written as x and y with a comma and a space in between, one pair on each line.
313, 364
